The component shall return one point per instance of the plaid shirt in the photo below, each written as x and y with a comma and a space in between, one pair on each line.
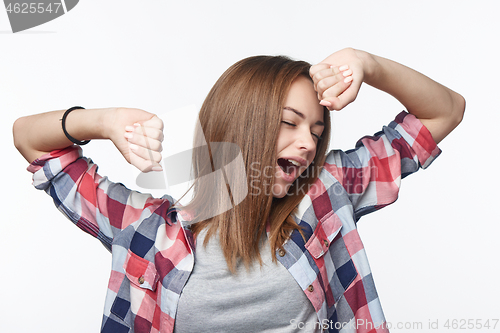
153, 253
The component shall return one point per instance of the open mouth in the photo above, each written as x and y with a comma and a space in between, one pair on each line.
288, 166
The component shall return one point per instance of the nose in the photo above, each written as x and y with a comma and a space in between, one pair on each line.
306, 140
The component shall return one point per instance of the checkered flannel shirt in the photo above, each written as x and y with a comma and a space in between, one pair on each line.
153, 253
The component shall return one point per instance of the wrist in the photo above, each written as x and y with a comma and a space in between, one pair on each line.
371, 66
107, 119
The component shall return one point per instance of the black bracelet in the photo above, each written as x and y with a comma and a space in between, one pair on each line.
70, 138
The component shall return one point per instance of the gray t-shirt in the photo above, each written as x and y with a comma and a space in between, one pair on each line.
262, 299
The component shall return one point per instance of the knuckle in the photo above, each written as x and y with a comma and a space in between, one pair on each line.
328, 92
315, 68
322, 85
316, 75
156, 145
311, 70
158, 135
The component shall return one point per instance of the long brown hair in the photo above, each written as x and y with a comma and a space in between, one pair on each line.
245, 108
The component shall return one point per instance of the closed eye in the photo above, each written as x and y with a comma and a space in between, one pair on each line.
318, 137
287, 123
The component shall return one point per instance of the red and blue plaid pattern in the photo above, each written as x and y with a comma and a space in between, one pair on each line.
153, 253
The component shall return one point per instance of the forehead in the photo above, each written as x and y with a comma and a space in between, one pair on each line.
304, 98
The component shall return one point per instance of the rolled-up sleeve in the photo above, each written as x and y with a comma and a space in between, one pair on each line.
371, 173
92, 202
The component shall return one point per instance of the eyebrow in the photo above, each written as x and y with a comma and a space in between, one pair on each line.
301, 115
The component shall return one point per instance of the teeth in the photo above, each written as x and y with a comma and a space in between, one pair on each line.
294, 162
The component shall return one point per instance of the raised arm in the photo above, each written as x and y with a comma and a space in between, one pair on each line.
437, 107
136, 133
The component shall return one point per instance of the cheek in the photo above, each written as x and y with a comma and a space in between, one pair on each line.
282, 141
313, 153
311, 158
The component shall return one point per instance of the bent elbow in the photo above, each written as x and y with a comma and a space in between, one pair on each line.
459, 108
16, 133
20, 138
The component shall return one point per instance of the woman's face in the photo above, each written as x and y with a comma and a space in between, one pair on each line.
300, 130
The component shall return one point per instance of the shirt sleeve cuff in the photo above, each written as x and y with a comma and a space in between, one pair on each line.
47, 166
417, 136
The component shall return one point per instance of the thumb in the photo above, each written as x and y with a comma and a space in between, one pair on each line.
154, 122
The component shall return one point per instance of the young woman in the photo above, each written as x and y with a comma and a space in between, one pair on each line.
286, 255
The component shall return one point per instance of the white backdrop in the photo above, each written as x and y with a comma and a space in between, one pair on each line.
434, 253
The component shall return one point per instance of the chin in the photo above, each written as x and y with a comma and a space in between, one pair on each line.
279, 196
280, 190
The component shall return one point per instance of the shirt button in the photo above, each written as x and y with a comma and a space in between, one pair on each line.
325, 326
141, 280
310, 288
325, 242
281, 252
